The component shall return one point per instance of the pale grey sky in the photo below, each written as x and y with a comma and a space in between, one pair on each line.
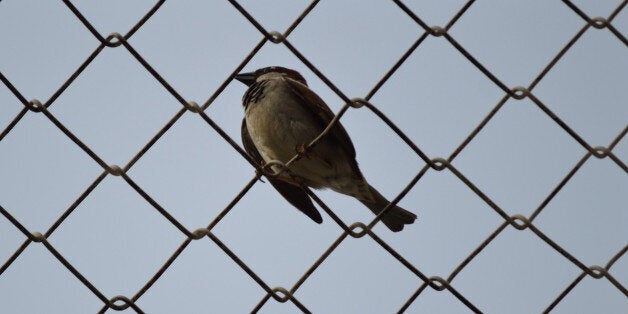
118, 241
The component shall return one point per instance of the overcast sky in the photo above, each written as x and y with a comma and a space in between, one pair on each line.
117, 240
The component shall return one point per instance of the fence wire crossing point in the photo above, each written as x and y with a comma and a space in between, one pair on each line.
357, 230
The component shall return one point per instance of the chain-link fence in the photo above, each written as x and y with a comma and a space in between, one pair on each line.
423, 280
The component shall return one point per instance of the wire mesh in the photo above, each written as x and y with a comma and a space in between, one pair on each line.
356, 230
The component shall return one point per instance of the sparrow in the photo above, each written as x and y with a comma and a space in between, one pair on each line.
282, 116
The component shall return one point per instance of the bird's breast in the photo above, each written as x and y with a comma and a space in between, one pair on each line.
278, 123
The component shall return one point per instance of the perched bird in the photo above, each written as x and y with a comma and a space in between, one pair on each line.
282, 116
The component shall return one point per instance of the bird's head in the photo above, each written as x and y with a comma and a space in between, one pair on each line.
269, 73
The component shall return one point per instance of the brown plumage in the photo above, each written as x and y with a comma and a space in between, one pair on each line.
281, 115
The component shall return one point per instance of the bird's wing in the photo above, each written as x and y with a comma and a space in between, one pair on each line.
319, 109
294, 194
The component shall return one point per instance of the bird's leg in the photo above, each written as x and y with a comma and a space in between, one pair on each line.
304, 150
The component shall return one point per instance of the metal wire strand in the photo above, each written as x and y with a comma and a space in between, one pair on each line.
357, 231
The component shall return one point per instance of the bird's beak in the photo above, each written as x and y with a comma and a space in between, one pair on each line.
246, 78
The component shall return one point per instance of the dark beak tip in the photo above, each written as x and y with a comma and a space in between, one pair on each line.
245, 78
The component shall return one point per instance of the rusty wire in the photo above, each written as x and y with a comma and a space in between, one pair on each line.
356, 230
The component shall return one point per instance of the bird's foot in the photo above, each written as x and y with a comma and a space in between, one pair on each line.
303, 151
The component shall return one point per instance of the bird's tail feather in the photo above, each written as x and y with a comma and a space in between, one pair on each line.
395, 218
